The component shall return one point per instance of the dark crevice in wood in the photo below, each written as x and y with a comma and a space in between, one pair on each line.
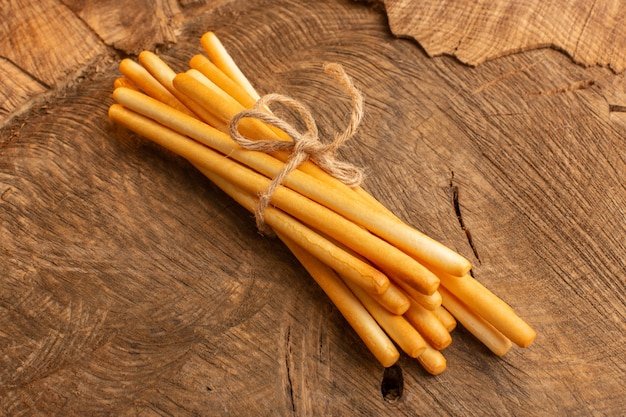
289, 382
616, 108
392, 385
454, 190
27, 73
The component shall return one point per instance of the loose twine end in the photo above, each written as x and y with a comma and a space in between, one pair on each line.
304, 145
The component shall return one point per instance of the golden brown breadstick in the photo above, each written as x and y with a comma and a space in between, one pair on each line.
213, 73
151, 86
493, 309
350, 307
447, 319
428, 325
432, 360
222, 59
397, 327
479, 327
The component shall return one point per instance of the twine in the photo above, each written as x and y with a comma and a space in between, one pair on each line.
303, 146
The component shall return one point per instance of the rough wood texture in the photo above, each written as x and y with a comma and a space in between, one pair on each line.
591, 32
132, 286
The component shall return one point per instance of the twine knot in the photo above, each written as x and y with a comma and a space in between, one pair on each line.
304, 145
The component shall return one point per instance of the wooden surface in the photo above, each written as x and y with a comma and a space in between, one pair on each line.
132, 286
590, 32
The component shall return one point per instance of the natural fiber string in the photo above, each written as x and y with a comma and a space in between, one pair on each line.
305, 145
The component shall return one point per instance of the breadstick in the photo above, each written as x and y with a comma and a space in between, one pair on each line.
165, 76
479, 327
428, 325
151, 86
493, 309
415, 243
397, 327
432, 360
222, 59
223, 81
447, 319
350, 307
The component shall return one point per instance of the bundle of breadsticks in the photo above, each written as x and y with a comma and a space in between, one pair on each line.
395, 286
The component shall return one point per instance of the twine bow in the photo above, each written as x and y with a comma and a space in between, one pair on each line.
303, 146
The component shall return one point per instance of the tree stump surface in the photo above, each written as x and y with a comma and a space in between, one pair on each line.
133, 286
591, 33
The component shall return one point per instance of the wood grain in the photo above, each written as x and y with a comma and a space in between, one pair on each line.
591, 33
132, 286
50, 44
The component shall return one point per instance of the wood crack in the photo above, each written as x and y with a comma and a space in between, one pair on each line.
583, 29
579, 85
289, 382
617, 108
27, 73
454, 190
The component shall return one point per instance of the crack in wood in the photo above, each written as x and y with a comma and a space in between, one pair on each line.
289, 382
454, 189
26, 72
579, 85
505, 76
617, 108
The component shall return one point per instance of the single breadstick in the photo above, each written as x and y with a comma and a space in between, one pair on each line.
165, 75
124, 82
430, 302
209, 162
479, 327
397, 327
151, 86
447, 319
223, 81
432, 360
428, 325
222, 59
393, 299
493, 309
350, 307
